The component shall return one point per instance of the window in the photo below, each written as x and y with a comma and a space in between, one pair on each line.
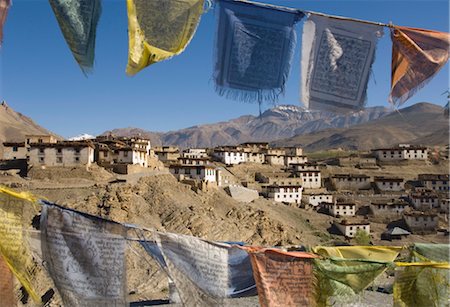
177, 170
28, 141
125, 153
77, 151
15, 148
199, 171
41, 150
59, 150
58, 159
105, 154
41, 160
40, 141
77, 159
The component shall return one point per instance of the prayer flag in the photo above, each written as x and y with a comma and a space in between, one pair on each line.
15, 218
255, 45
205, 273
78, 21
4, 7
347, 270
283, 278
417, 55
337, 57
7, 297
422, 284
85, 256
159, 30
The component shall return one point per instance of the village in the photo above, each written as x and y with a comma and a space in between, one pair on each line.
355, 198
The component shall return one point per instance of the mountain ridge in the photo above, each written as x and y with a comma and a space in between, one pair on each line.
279, 122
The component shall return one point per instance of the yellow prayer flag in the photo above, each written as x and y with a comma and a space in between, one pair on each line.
373, 253
13, 242
159, 30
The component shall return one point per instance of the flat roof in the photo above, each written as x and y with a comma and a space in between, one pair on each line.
388, 179
433, 177
350, 176
419, 213
191, 166
351, 222
63, 144
14, 144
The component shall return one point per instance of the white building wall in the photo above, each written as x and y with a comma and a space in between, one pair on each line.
415, 154
288, 160
66, 157
315, 199
230, 157
256, 157
351, 184
342, 210
350, 230
421, 223
425, 203
437, 185
14, 152
311, 180
275, 160
284, 194
386, 209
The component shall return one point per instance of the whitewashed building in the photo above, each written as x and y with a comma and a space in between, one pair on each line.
63, 154
274, 159
389, 208
167, 153
195, 153
132, 155
311, 179
313, 200
306, 166
421, 222
199, 172
351, 182
193, 161
402, 152
14, 150
40, 138
256, 157
389, 184
424, 201
435, 182
340, 208
288, 193
230, 156
349, 227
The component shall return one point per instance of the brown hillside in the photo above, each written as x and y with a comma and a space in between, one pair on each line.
423, 123
14, 126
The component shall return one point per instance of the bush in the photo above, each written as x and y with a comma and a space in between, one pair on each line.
362, 237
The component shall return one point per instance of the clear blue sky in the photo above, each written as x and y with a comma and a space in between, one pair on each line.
41, 79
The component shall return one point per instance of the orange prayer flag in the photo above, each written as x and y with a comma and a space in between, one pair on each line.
417, 55
4, 6
7, 297
283, 278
